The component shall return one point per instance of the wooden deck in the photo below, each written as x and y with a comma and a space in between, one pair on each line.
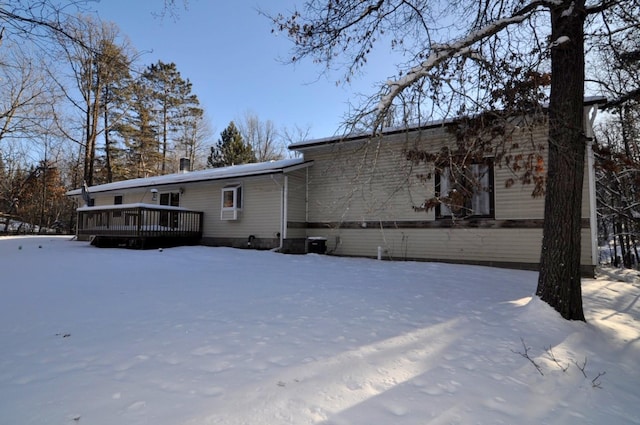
139, 226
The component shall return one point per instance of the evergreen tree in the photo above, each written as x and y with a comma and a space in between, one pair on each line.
115, 100
140, 135
231, 149
173, 104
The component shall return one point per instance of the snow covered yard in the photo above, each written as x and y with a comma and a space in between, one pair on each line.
199, 335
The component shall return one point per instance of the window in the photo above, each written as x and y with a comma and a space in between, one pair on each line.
169, 218
465, 191
117, 200
232, 197
231, 202
170, 198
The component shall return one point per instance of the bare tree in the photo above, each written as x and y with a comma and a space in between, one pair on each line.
618, 173
464, 57
95, 66
194, 140
26, 95
39, 21
263, 137
295, 134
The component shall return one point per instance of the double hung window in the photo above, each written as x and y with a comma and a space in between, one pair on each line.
169, 218
465, 191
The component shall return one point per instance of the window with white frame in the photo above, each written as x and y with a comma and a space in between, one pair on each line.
465, 191
231, 202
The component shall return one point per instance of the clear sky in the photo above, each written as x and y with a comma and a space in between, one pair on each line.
226, 49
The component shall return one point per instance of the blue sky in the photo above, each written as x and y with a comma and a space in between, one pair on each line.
226, 49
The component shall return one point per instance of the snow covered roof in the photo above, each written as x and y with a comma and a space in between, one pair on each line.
233, 171
588, 101
364, 135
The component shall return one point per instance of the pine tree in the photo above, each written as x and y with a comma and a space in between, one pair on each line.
231, 149
140, 135
115, 100
173, 104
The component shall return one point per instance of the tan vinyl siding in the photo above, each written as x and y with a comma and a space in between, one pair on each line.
297, 203
372, 182
517, 202
260, 213
129, 196
471, 245
297, 196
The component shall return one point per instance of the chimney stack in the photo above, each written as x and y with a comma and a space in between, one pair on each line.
185, 165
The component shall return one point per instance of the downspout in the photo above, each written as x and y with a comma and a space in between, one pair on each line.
282, 210
285, 212
593, 220
78, 215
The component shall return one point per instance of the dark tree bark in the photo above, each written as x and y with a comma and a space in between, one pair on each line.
559, 282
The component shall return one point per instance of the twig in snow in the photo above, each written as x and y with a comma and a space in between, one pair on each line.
526, 356
595, 383
553, 358
582, 368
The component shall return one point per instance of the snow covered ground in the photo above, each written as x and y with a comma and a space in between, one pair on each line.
197, 336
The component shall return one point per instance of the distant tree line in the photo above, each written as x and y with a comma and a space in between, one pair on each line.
617, 156
76, 107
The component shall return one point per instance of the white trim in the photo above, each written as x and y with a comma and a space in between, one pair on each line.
285, 209
590, 116
237, 192
593, 219
283, 224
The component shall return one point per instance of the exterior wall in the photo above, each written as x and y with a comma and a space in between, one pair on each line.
129, 196
362, 196
297, 204
259, 217
365, 194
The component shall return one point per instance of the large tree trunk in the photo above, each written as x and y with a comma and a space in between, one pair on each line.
559, 279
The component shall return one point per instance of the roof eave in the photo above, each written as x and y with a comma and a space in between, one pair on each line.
279, 170
302, 146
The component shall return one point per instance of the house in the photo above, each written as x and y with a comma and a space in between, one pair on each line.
367, 197
251, 205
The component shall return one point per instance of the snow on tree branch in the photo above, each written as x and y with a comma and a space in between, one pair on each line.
440, 53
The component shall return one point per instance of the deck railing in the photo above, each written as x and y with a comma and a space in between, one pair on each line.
139, 221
